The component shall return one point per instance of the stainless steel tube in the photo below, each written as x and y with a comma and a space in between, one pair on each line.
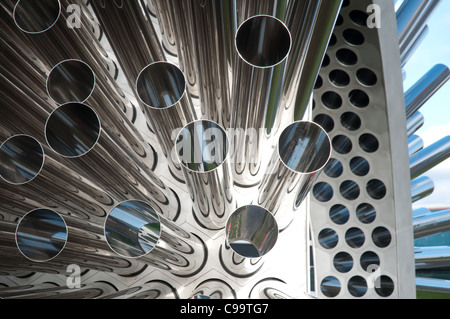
133, 229
415, 144
75, 131
263, 44
249, 8
303, 149
213, 289
432, 285
425, 88
432, 257
202, 148
271, 288
421, 211
421, 187
251, 232
429, 157
414, 123
154, 289
303, 75
431, 224
161, 87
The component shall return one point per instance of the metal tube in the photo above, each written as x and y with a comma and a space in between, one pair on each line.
271, 288
307, 68
303, 149
421, 187
421, 211
263, 44
162, 11
133, 229
202, 148
414, 123
432, 285
425, 88
415, 144
431, 224
432, 257
429, 157
213, 289
415, 43
38, 37
251, 232
248, 8
75, 131
154, 289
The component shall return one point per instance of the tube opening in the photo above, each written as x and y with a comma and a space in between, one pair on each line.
202, 146
160, 85
73, 129
33, 16
252, 231
304, 147
263, 41
70, 81
132, 229
21, 159
41, 235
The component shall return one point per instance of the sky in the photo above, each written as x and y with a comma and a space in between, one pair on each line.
435, 49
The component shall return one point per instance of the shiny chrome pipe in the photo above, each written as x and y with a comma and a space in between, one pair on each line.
432, 257
133, 229
415, 144
421, 187
249, 8
213, 289
162, 11
303, 149
75, 131
202, 148
161, 87
25, 21
432, 285
251, 232
263, 44
414, 123
154, 289
416, 41
421, 211
431, 224
271, 288
425, 88
429, 157
311, 42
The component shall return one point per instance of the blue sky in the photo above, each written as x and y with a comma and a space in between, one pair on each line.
433, 50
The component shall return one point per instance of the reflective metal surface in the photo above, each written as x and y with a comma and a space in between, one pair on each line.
214, 289
429, 157
432, 224
421, 187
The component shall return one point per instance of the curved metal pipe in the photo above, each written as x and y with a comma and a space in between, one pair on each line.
213, 289
97, 157
425, 88
161, 87
421, 187
251, 232
429, 157
303, 149
133, 229
263, 44
271, 288
434, 223
202, 148
154, 289
415, 144
414, 123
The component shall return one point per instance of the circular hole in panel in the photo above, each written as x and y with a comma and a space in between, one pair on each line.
381, 237
359, 98
343, 262
330, 286
339, 214
366, 213
376, 189
319, 83
323, 192
328, 238
357, 286
345, 3
325, 121
366, 77
359, 17
334, 168
353, 37
326, 61
339, 20
370, 261
342, 144
355, 237
346, 57
351, 121
33, 16
384, 286
368, 143
332, 100
349, 190
339, 78
333, 40
359, 166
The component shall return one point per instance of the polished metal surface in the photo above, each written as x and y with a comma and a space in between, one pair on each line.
429, 157
431, 224
421, 187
